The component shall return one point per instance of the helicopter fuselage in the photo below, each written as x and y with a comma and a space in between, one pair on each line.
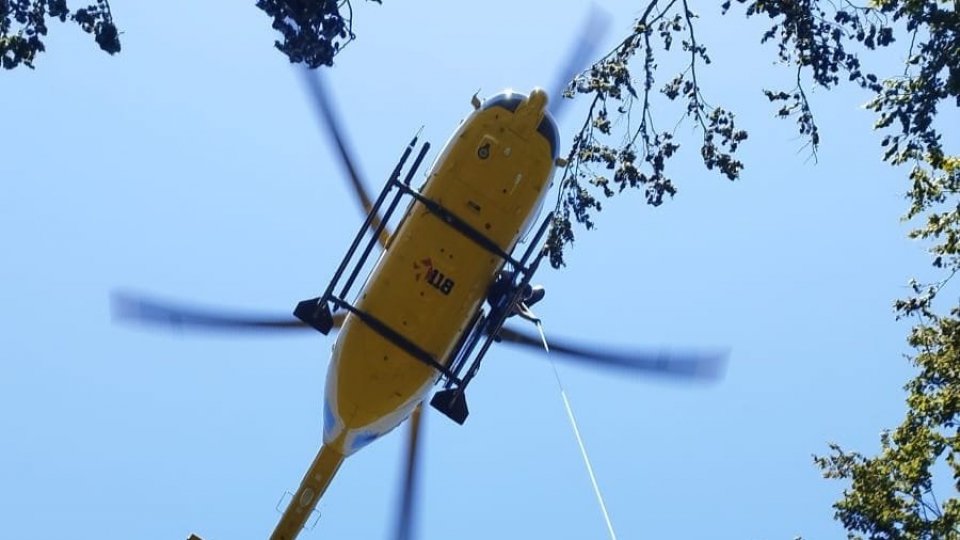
493, 174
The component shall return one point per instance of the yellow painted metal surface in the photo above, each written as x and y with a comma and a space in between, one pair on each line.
493, 175
314, 483
432, 278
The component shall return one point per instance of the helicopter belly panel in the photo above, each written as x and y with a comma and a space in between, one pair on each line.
432, 278
426, 287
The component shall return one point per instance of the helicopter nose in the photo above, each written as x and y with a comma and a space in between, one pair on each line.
531, 111
538, 99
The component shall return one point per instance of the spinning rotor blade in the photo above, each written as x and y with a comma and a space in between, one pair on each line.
581, 56
321, 101
408, 495
127, 307
689, 365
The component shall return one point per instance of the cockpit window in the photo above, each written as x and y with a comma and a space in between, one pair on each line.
508, 100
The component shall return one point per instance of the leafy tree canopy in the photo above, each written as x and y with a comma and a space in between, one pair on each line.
23, 27
824, 42
313, 31
910, 489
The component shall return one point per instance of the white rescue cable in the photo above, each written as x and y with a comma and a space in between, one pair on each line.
576, 432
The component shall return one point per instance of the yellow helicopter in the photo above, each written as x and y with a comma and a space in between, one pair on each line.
446, 280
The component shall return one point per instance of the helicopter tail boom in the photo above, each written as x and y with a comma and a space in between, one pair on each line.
312, 487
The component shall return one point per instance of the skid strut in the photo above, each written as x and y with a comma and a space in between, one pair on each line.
485, 329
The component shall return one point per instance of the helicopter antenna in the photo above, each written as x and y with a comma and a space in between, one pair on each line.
583, 448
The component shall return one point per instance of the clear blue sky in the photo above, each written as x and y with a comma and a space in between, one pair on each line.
190, 166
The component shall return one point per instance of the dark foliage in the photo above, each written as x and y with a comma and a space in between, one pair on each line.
313, 31
640, 158
23, 27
